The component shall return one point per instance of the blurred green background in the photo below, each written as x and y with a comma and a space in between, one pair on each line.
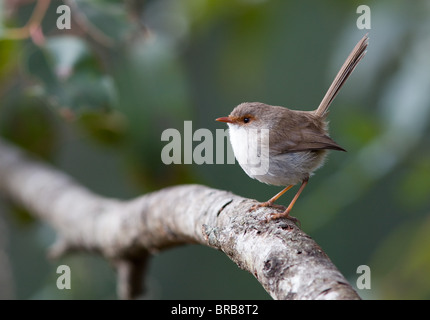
93, 100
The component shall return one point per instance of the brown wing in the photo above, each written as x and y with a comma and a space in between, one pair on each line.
316, 143
301, 132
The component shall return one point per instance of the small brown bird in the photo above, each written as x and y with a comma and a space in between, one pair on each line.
283, 147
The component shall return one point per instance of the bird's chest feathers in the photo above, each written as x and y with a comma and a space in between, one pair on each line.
250, 147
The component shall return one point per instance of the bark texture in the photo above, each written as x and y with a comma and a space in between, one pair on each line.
286, 261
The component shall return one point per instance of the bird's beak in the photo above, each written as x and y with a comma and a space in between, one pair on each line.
224, 119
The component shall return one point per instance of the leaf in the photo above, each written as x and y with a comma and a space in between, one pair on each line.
29, 124
70, 76
107, 128
67, 52
8, 50
108, 17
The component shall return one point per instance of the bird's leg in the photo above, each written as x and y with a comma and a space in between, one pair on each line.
270, 203
286, 213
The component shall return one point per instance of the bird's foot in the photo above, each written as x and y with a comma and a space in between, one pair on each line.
266, 204
285, 214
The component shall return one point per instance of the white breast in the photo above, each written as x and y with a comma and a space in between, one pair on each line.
251, 149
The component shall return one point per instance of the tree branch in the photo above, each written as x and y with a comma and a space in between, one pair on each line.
286, 261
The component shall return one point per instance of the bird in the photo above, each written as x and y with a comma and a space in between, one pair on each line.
283, 147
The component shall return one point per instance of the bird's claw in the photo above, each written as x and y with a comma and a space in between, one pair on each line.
266, 204
285, 214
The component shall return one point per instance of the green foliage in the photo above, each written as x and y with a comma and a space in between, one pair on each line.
27, 122
105, 127
414, 190
402, 261
68, 75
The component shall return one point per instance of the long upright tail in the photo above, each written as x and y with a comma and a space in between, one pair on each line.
349, 65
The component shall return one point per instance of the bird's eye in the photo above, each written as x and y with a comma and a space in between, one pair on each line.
245, 120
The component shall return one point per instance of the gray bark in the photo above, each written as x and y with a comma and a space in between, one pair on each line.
286, 261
